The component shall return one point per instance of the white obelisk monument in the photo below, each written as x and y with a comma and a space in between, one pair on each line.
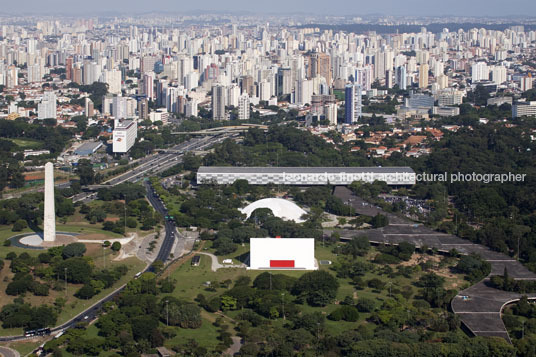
49, 220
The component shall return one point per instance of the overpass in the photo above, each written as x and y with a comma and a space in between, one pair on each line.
223, 130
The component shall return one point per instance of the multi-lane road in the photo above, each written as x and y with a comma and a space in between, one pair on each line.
153, 164
150, 165
163, 255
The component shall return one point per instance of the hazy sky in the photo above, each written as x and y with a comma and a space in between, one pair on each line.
357, 7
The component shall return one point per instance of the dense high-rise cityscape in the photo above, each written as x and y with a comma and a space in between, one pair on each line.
311, 182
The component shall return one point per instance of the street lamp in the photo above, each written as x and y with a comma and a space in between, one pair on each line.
283, 302
65, 271
167, 313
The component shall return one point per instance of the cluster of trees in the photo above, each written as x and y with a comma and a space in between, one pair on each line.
282, 146
321, 197
394, 254
20, 314
134, 323
505, 282
275, 295
56, 266
52, 138
124, 191
395, 328
474, 267
133, 211
503, 210
28, 210
520, 321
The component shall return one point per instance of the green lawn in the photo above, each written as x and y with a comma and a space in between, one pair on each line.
27, 143
206, 335
24, 347
197, 276
74, 305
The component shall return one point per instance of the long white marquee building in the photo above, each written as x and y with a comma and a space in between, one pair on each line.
305, 176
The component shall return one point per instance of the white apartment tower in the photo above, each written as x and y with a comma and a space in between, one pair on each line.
47, 108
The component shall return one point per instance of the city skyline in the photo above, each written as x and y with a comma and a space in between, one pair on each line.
479, 8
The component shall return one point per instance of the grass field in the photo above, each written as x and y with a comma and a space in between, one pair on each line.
197, 276
73, 305
27, 143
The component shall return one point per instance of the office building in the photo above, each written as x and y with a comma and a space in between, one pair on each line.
124, 135
89, 109
521, 109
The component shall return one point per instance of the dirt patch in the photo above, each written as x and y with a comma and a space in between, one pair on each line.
94, 236
417, 259
444, 272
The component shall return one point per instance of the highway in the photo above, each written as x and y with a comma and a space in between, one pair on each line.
157, 163
153, 164
163, 255
167, 244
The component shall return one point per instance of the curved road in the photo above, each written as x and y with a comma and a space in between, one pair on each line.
8, 352
92, 312
479, 306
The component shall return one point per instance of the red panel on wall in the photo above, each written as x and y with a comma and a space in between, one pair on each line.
281, 263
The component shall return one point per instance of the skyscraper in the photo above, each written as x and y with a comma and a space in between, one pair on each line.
423, 75
218, 102
148, 85
401, 79
353, 104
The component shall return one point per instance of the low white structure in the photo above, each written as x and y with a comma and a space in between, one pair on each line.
282, 253
281, 208
305, 176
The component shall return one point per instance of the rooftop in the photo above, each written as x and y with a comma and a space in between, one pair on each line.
300, 170
281, 208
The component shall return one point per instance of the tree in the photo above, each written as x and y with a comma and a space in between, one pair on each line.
228, 303
224, 246
85, 292
358, 246
346, 313
318, 288
116, 246
74, 250
86, 173
182, 314
143, 326
157, 266
379, 221
365, 304
77, 269
19, 225
131, 222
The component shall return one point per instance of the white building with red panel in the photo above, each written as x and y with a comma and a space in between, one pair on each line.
282, 253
